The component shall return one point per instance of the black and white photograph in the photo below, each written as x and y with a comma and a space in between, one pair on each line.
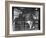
25, 18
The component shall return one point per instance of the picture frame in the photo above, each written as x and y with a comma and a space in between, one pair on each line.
27, 6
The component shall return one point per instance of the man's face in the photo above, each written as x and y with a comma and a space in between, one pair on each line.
36, 15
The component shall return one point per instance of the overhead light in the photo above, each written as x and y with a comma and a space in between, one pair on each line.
36, 9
